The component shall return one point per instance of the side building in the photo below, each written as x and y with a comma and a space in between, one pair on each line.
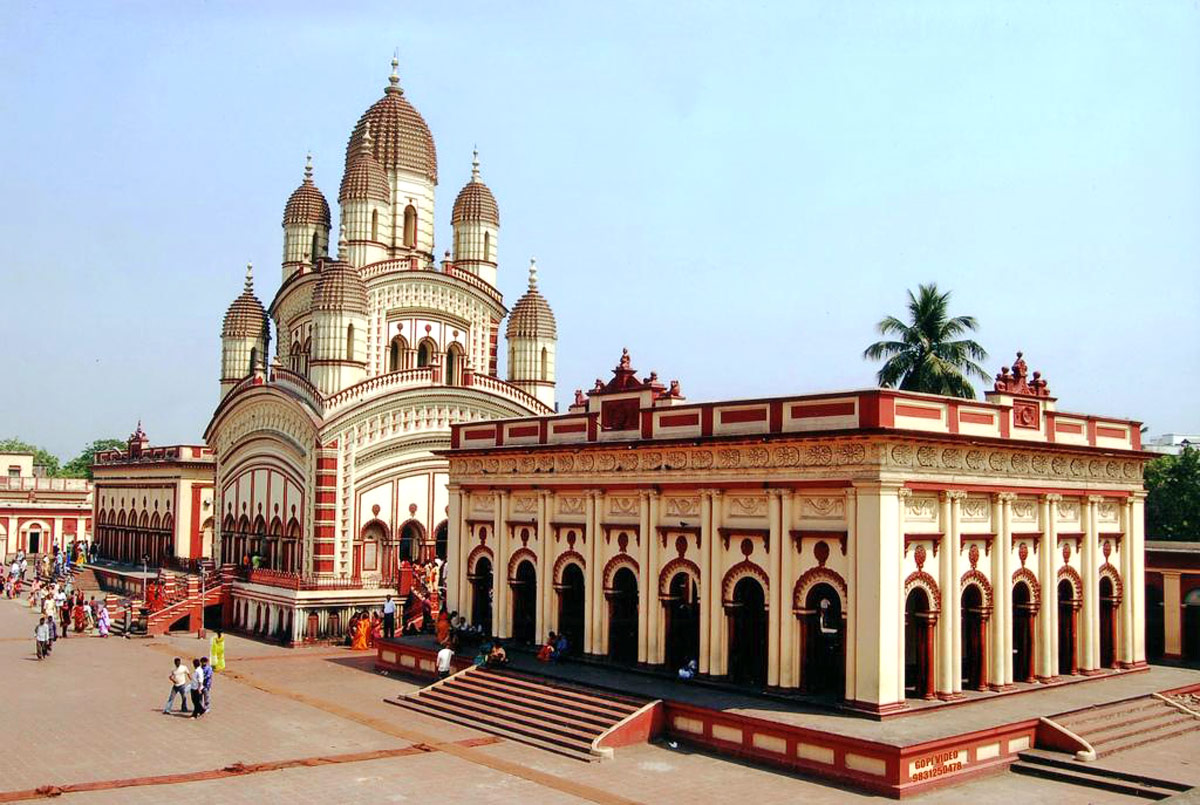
154, 504
327, 471
37, 513
868, 546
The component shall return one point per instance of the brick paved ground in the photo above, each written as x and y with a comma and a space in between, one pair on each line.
91, 713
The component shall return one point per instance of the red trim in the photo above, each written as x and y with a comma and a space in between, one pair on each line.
832, 409
479, 433
1067, 427
522, 431
1091, 432
571, 427
326, 464
1111, 433
679, 420
776, 423
918, 411
706, 421
751, 415
952, 416
973, 418
593, 427
327, 481
323, 549
326, 496
647, 419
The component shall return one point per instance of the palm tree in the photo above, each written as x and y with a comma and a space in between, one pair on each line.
925, 357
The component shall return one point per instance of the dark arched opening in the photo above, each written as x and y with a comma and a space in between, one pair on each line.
1022, 626
974, 639
747, 614
919, 624
824, 659
441, 541
1068, 607
524, 591
682, 625
623, 617
571, 607
1108, 624
481, 595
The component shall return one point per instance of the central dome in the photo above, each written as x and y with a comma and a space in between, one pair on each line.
400, 137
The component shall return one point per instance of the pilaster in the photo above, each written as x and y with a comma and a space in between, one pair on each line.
644, 603
878, 674
956, 498
1090, 572
1046, 651
1135, 585
706, 585
655, 652
775, 584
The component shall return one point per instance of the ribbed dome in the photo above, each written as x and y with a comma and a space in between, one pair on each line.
401, 137
475, 201
246, 317
364, 179
307, 204
531, 316
340, 287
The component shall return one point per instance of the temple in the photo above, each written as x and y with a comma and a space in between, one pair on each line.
876, 547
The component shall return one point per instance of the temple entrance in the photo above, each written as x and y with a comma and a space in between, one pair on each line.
918, 645
974, 639
411, 537
441, 541
524, 607
748, 633
1067, 607
1023, 610
682, 624
35, 542
1108, 624
822, 643
571, 607
623, 617
1155, 631
481, 595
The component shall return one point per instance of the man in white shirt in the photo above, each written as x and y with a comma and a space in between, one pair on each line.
41, 633
444, 657
180, 676
197, 689
389, 617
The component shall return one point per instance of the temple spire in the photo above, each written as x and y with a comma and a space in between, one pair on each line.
475, 164
308, 169
250, 278
342, 241
533, 273
394, 78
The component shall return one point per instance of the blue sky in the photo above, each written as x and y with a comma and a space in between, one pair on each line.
737, 192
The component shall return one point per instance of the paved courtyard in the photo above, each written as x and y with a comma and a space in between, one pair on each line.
308, 725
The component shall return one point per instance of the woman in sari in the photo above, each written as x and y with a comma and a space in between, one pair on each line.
216, 652
414, 613
376, 633
102, 621
362, 630
78, 616
443, 628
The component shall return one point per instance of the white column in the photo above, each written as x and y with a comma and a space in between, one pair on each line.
1002, 591
57, 538
654, 650
598, 602
456, 540
1125, 654
879, 681
1046, 642
944, 650
716, 615
545, 586
643, 576
1135, 585
788, 650
500, 570
706, 583
1091, 586
1172, 614
956, 652
591, 588
775, 584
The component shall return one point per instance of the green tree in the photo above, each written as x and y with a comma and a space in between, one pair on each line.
927, 354
40, 457
81, 465
1173, 496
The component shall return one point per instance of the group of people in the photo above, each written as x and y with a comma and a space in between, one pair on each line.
196, 683
14, 579
554, 649
62, 609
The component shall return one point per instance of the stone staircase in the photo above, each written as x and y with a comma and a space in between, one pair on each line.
1062, 768
1115, 727
558, 717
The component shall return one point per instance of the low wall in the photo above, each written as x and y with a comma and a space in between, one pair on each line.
412, 660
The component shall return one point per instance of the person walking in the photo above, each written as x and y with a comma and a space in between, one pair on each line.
197, 689
41, 635
179, 687
444, 658
217, 652
207, 668
389, 617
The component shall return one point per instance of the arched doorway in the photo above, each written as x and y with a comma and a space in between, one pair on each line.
748, 633
524, 592
682, 624
571, 607
1155, 633
623, 617
481, 595
919, 622
1023, 612
824, 661
441, 541
974, 639
1068, 606
1108, 624
411, 537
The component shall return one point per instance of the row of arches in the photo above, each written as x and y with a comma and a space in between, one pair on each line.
818, 610
278, 547
400, 357
378, 550
130, 537
975, 601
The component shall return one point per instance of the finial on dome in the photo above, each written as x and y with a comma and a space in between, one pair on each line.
342, 241
394, 78
533, 273
249, 277
308, 168
475, 164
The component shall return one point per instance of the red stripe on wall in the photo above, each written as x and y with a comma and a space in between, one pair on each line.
480, 433
1111, 433
571, 427
747, 415
823, 409
917, 412
327, 481
326, 463
326, 496
1068, 427
976, 419
323, 565
523, 430
323, 549
323, 531
679, 420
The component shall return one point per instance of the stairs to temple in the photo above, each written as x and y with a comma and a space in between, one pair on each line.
567, 719
1062, 768
1115, 727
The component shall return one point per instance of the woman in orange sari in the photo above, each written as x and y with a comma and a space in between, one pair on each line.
362, 630
443, 628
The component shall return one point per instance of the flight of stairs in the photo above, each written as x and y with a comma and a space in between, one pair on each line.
1062, 768
560, 718
1124, 725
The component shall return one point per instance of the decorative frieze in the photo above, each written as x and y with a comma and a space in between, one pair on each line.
823, 508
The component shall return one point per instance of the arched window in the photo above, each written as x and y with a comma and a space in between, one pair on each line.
316, 244
295, 356
454, 365
375, 225
350, 342
410, 226
545, 364
424, 353
399, 354
253, 359
487, 245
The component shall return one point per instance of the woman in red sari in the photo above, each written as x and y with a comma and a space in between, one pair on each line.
361, 634
376, 633
77, 615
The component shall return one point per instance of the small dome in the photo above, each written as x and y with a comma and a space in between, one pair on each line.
402, 138
340, 288
531, 316
475, 201
364, 179
246, 317
307, 204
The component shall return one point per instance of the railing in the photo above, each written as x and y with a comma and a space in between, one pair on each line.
412, 264
422, 376
498, 387
26, 484
289, 580
299, 384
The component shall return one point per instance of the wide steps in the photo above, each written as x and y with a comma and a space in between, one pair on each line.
1059, 767
1125, 725
558, 717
